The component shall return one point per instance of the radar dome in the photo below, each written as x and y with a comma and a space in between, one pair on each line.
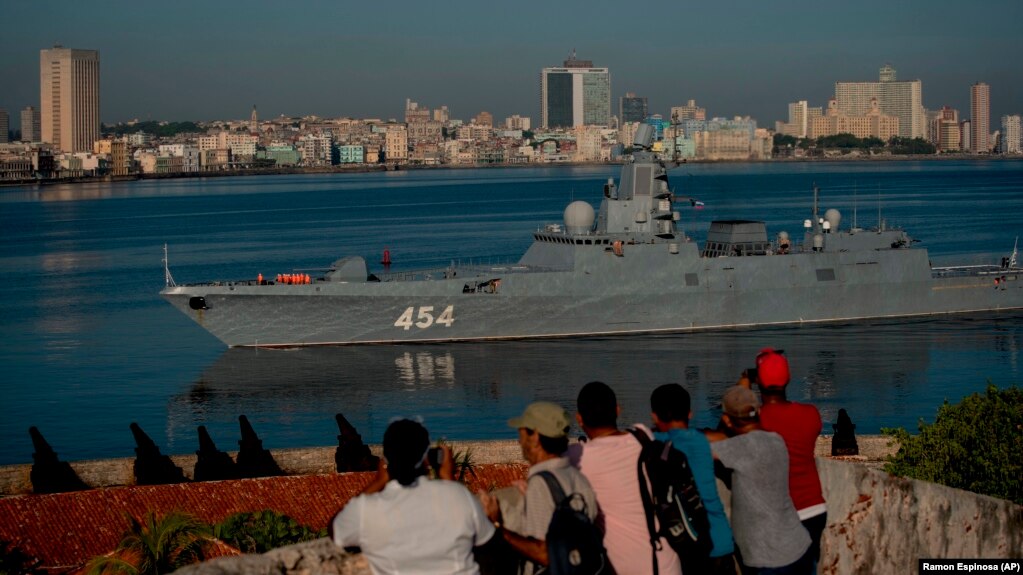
833, 217
579, 217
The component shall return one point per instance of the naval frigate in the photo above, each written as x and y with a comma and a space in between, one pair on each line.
625, 268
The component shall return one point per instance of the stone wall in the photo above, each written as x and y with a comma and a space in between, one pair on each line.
883, 524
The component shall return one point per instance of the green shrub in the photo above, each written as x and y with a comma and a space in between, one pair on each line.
263, 531
975, 445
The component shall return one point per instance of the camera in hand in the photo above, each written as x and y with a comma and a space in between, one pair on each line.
751, 373
435, 456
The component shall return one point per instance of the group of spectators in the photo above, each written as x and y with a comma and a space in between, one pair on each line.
764, 450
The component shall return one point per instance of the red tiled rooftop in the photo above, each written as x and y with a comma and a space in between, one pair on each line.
65, 530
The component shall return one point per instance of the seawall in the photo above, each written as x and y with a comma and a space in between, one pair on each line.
97, 473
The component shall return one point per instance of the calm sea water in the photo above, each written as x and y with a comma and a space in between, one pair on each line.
88, 346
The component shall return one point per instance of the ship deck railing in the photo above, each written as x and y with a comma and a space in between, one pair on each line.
458, 271
469, 272
974, 271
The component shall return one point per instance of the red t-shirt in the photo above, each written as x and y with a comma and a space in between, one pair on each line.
799, 425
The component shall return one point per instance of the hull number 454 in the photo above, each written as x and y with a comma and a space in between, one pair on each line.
424, 318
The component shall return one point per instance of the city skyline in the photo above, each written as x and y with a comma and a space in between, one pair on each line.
166, 63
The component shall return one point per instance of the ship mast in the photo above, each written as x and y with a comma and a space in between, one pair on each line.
167, 278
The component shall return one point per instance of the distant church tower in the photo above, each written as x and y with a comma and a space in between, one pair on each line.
254, 121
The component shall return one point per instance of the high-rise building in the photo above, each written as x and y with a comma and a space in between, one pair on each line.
30, 125
5, 126
632, 108
69, 98
980, 117
1012, 137
904, 100
576, 94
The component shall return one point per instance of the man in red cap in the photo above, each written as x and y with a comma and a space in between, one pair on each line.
799, 424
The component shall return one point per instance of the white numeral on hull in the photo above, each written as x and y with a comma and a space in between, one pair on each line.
424, 318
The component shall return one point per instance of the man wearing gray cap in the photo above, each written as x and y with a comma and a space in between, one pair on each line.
770, 537
543, 436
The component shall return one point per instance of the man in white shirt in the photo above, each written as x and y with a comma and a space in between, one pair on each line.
404, 522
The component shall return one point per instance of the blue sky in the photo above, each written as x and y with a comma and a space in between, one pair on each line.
202, 60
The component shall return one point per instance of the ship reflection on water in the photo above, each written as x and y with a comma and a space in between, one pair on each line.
883, 373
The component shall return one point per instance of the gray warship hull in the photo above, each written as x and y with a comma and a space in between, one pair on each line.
626, 268
598, 297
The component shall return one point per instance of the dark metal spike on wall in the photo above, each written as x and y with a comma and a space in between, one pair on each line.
253, 460
152, 467
351, 453
844, 440
49, 474
212, 464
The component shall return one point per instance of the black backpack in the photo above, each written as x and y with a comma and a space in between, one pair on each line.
674, 500
574, 544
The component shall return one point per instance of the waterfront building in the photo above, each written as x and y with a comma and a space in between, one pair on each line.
215, 159
441, 115
396, 143
316, 150
69, 98
242, 146
945, 130
965, 135
632, 108
873, 123
904, 100
282, 154
724, 139
5, 126
1012, 137
188, 153
980, 112
688, 112
351, 154
30, 125
120, 159
575, 94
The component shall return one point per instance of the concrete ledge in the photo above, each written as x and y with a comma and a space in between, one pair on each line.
16, 479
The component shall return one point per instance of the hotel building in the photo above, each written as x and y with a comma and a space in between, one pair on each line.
69, 98
904, 100
576, 94
980, 117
